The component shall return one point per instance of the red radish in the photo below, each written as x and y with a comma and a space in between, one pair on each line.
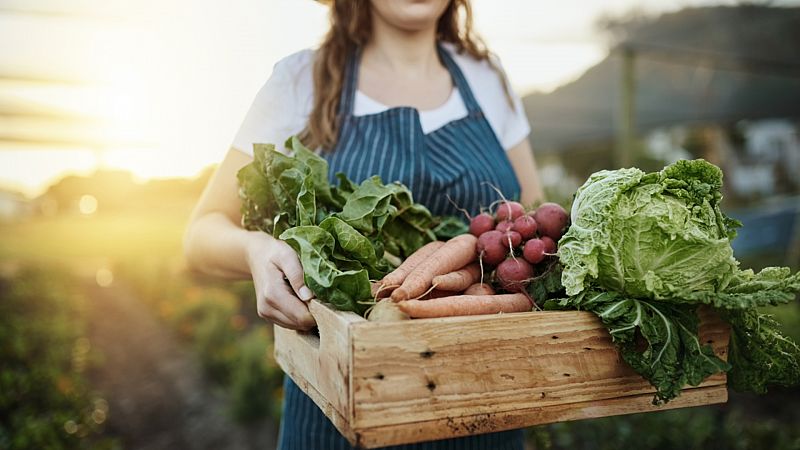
504, 225
526, 226
549, 245
513, 238
552, 220
507, 210
514, 274
481, 223
533, 252
491, 247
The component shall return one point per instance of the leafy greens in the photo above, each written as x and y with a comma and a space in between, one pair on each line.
645, 250
344, 235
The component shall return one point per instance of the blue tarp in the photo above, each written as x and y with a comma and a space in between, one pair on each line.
768, 228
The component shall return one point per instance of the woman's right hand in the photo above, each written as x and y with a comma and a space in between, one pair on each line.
281, 293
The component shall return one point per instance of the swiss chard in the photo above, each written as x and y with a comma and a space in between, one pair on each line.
341, 233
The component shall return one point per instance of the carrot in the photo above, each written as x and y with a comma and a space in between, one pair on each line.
437, 293
460, 279
453, 255
466, 305
397, 276
480, 289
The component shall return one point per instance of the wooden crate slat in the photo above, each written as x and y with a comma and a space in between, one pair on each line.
427, 370
487, 423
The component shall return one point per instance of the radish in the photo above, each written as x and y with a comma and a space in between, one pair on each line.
507, 210
480, 289
386, 311
480, 224
504, 226
549, 245
492, 248
514, 274
526, 226
552, 220
513, 238
534, 251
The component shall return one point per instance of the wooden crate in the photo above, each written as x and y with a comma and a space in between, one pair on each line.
403, 382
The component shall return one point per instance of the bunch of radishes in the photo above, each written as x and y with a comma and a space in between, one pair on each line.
514, 241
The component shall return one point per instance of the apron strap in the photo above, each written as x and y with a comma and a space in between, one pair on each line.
348, 96
351, 82
459, 80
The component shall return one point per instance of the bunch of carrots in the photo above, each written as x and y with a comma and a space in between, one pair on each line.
441, 279
444, 279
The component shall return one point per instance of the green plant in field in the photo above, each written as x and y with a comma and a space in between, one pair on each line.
256, 378
44, 398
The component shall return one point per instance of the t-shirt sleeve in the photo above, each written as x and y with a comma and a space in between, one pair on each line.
279, 110
515, 126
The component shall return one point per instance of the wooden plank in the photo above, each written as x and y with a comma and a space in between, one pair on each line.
322, 362
446, 368
486, 423
340, 422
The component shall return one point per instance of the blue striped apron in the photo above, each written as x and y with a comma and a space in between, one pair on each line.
462, 160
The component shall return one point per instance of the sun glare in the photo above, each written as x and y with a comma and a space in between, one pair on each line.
87, 204
160, 89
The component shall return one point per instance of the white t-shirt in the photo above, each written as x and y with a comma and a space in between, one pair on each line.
282, 106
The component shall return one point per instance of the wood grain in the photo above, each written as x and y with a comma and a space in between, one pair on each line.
323, 361
487, 423
434, 369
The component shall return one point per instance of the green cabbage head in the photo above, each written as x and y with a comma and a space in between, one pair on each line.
655, 236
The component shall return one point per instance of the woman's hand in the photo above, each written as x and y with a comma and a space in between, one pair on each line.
272, 263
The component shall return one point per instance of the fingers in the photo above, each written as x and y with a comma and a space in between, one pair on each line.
276, 302
289, 264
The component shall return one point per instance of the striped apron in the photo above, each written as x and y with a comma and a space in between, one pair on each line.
462, 160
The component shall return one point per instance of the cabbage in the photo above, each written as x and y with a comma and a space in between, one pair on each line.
655, 236
645, 250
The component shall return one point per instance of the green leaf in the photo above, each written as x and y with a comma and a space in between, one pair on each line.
772, 286
354, 246
343, 288
449, 227
344, 190
546, 284
256, 196
760, 354
673, 355
369, 206
319, 172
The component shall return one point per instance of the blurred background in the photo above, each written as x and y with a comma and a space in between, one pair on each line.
113, 114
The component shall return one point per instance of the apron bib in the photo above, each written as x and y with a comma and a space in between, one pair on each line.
463, 159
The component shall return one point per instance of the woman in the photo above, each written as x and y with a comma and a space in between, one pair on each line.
399, 88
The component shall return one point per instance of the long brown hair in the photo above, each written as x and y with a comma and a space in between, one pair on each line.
351, 27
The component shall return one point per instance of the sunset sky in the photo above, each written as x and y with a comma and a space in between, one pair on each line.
160, 87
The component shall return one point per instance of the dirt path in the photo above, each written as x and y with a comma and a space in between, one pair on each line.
157, 396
